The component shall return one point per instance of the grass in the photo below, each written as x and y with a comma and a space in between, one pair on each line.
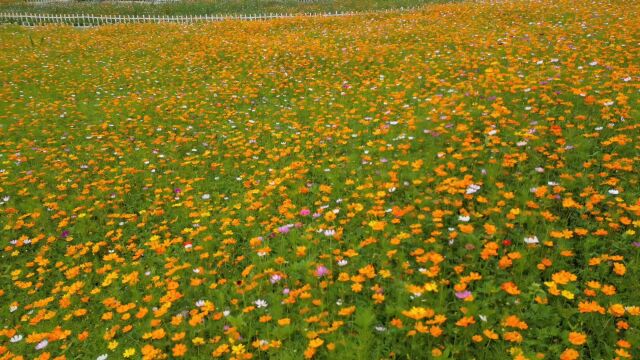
212, 7
455, 183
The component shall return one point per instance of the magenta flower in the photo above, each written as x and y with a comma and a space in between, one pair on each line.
305, 212
463, 294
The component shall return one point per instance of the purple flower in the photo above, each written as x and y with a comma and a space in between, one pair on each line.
316, 215
636, 243
321, 271
463, 294
64, 234
275, 278
177, 190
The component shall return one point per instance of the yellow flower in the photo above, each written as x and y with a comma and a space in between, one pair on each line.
237, 349
567, 294
129, 352
112, 345
377, 225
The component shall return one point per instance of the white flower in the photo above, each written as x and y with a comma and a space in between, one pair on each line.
531, 240
13, 308
552, 183
102, 357
342, 262
261, 303
206, 197
521, 143
464, 218
16, 338
200, 303
473, 188
482, 317
613, 192
42, 344
539, 169
226, 313
329, 232
380, 328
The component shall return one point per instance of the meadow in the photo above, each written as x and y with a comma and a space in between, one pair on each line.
457, 182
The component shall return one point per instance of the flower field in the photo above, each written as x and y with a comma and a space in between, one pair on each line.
457, 182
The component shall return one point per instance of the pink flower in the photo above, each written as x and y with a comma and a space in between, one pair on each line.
283, 229
321, 271
463, 294
305, 212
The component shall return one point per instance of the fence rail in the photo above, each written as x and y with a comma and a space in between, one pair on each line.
96, 20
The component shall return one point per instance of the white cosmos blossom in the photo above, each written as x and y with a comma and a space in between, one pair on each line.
16, 338
261, 303
613, 192
42, 344
200, 303
102, 357
380, 328
342, 262
473, 188
329, 232
531, 240
464, 218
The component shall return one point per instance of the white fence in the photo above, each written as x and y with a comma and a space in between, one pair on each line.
145, 2
95, 20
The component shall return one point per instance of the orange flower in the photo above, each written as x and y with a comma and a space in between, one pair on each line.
619, 268
569, 354
590, 306
577, 338
563, 277
179, 350
466, 321
510, 288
